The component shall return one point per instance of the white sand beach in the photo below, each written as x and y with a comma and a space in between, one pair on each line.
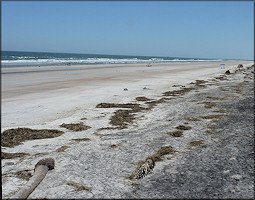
31, 99
45, 99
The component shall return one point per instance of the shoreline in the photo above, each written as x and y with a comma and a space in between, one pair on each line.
51, 95
121, 149
114, 65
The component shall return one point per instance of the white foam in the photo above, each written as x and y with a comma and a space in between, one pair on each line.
61, 61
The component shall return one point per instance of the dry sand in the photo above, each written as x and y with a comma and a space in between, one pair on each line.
36, 98
102, 145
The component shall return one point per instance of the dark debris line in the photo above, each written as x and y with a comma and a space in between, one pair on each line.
222, 170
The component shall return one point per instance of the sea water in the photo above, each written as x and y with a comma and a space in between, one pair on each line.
22, 59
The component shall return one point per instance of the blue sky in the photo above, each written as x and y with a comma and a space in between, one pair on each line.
210, 29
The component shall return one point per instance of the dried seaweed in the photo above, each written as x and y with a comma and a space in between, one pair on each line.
220, 111
75, 127
5, 155
211, 116
24, 174
165, 150
181, 127
153, 103
79, 187
116, 105
192, 119
142, 99
196, 143
14, 137
178, 92
122, 118
209, 104
175, 133
62, 149
81, 139
221, 78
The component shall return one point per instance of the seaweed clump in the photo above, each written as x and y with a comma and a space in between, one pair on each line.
209, 104
178, 92
5, 155
211, 116
62, 149
75, 127
24, 174
200, 83
196, 143
175, 133
122, 118
14, 137
165, 150
152, 104
118, 105
79, 187
181, 127
142, 99
81, 139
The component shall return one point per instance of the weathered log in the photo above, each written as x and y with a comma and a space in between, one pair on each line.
40, 171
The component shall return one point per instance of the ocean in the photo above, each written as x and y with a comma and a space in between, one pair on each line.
22, 59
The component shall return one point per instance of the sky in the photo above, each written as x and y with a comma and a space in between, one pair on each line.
196, 29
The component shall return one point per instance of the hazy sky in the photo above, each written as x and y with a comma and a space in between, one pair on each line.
211, 29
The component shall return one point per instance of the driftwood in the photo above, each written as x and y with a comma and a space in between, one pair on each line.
40, 171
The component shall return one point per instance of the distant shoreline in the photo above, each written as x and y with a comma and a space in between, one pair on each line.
54, 68
26, 59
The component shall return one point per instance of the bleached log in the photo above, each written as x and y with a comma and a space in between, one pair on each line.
40, 171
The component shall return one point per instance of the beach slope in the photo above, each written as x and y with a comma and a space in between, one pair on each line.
100, 123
